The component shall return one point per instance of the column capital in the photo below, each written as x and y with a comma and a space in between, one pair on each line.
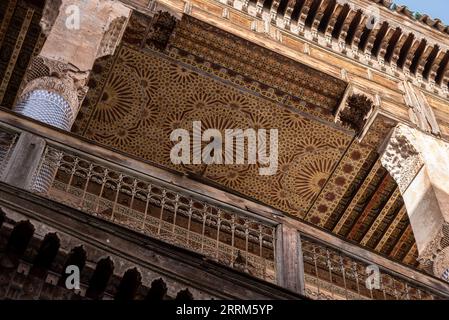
401, 157
55, 77
354, 109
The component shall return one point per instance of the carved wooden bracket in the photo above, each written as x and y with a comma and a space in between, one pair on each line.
57, 77
162, 26
355, 111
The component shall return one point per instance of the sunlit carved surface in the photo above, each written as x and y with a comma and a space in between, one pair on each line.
146, 97
141, 94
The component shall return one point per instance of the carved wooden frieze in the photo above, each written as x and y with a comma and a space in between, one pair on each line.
213, 46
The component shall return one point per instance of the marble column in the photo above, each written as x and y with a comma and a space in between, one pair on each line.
78, 32
419, 162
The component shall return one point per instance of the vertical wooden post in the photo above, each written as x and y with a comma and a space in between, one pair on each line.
289, 260
24, 161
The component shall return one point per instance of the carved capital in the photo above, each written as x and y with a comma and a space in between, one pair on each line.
60, 78
435, 257
355, 111
441, 265
400, 157
152, 32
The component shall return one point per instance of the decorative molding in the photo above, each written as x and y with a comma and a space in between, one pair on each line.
266, 67
112, 37
401, 158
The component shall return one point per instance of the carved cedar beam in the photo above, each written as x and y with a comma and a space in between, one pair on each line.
411, 54
303, 15
333, 21
358, 33
274, 9
259, 7
346, 25
319, 15
436, 65
423, 60
161, 29
371, 39
446, 77
288, 13
245, 4
397, 49
385, 43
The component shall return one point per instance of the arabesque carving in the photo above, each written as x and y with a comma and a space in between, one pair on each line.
401, 158
435, 257
162, 27
112, 37
57, 77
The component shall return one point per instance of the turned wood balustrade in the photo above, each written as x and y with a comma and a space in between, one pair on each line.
233, 231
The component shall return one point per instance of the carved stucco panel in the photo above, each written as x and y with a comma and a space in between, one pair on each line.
402, 160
